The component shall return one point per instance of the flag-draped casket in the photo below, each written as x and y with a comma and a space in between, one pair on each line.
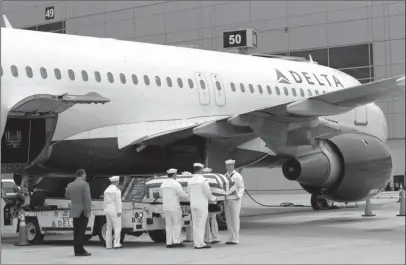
221, 186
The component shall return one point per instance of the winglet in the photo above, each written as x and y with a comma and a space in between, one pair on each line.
7, 22
311, 59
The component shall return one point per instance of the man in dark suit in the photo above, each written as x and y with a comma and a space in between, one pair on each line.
78, 192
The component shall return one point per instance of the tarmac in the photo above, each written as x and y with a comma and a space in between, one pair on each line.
269, 235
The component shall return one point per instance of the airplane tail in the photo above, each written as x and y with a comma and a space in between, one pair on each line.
6, 22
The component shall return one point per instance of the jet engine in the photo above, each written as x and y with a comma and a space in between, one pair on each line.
343, 168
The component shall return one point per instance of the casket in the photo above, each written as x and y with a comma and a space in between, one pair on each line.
219, 186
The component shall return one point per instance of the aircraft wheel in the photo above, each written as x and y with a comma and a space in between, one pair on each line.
319, 203
33, 232
158, 236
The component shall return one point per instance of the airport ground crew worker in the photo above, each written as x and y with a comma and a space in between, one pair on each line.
170, 192
199, 195
232, 206
212, 234
113, 210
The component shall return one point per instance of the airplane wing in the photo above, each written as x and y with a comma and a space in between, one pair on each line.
297, 114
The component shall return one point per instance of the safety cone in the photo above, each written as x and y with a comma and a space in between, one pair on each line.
368, 209
23, 240
402, 203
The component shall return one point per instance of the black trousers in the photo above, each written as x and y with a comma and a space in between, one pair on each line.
79, 228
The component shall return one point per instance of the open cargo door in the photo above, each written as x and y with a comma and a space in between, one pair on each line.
31, 124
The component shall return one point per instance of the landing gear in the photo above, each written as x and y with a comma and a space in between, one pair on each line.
319, 203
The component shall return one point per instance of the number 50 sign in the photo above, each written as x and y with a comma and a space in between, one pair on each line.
245, 38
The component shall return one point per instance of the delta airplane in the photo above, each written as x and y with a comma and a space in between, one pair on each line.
126, 108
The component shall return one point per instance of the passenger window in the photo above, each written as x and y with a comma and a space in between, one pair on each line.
110, 77
294, 91
218, 85
232, 87
269, 90
191, 84
97, 76
302, 93
122, 78
202, 84
28, 70
260, 89
85, 76
169, 81
71, 74
43, 72
146, 80
135, 79
251, 88
309, 92
317, 92
180, 82
242, 87
57, 74
286, 91
158, 81
278, 91
14, 70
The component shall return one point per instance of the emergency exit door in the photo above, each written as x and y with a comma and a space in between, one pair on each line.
203, 88
218, 90
361, 115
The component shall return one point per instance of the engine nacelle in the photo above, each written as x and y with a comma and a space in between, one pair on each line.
344, 168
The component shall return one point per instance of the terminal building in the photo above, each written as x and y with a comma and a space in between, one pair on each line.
365, 39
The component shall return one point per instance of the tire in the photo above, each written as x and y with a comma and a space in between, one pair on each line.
318, 203
158, 236
34, 235
221, 219
102, 233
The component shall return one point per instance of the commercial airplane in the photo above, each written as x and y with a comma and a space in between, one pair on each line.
159, 106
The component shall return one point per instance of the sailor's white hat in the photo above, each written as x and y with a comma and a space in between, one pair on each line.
206, 170
172, 171
230, 161
198, 165
114, 178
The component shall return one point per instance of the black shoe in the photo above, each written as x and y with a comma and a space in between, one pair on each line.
231, 243
118, 247
83, 254
169, 246
181, 245
215, 242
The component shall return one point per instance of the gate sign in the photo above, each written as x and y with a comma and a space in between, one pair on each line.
49, 13
245, 38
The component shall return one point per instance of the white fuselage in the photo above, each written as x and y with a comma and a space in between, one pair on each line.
135, 103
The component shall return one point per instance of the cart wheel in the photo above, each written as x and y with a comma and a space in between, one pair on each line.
158, 236
102, 233
33, 232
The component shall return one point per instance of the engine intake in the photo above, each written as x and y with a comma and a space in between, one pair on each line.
347, 167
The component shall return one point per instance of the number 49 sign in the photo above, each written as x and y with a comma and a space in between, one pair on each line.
49, 13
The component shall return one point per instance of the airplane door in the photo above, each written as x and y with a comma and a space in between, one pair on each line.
204, 89
361, 115
219, 91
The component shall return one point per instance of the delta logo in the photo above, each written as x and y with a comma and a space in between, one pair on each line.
309, 78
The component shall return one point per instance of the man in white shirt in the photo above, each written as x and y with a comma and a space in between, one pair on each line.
200, 195
113, 211
232, 206
212, 234
171, 191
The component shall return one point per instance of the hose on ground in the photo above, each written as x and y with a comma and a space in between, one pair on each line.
284, 204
